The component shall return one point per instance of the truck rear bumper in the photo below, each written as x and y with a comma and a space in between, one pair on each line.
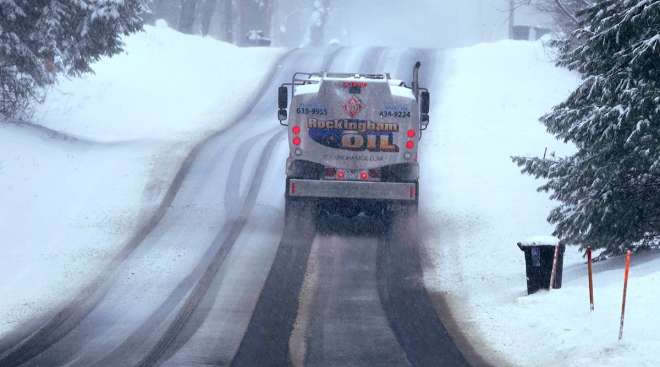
402, 191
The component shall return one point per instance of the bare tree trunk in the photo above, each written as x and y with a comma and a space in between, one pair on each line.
268, 15
208, 9
512, 18
243, 12
228, 20
166, 9
563, 12
317, 29
187, 18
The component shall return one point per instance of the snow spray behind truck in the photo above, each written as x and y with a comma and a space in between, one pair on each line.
353, 142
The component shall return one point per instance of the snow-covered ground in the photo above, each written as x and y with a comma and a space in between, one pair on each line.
68, 205
166, 86
488, 99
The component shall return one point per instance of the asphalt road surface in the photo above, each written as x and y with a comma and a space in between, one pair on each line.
216, 279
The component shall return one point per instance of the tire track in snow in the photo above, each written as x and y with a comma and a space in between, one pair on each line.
348, 323
188, 319
406, 302
411, 313
344, 327
22, 346
139, 342
266, 341
170, 341
124, 352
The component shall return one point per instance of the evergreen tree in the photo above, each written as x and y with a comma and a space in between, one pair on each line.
41, 38
610, 188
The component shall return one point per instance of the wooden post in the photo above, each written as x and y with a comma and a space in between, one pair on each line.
553, 273
591, 282
625, 289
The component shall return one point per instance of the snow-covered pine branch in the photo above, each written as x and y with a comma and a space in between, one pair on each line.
42, 38
609, 189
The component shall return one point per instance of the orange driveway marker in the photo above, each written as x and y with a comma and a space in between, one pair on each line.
625, 289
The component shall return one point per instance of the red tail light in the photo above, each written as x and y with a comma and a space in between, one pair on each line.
364, 176
341, 174
296, 130
411, 133
296, 140
410, 144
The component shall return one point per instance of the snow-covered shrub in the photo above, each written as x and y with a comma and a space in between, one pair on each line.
42, 38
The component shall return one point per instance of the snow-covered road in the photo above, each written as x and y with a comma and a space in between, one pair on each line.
215, 279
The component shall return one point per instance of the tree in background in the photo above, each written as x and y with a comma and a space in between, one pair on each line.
168, 10
564, 12
208, 9
318, 22
254, 21
229, 20
40, 39
188, 15
610, 188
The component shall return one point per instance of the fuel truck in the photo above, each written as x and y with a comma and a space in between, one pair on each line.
353, 142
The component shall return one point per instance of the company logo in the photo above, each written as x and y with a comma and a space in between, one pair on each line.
353, 106
355, 135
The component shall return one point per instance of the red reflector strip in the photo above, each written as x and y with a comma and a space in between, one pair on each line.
412, 192
293, 187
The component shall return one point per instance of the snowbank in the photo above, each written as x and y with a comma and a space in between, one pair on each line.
488, 101
66, 208
68, 205
167, 85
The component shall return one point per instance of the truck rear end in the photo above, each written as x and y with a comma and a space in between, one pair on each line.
353, 141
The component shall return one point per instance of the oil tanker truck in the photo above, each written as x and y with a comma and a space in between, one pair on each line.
353, 142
